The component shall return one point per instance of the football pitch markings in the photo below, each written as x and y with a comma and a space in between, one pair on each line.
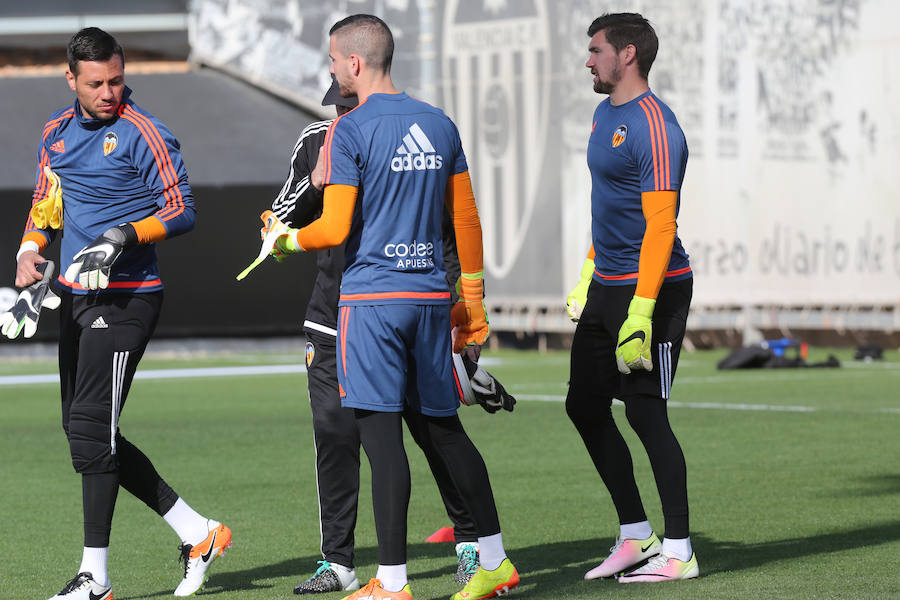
186, 373
674, 404
256, 370
171, 373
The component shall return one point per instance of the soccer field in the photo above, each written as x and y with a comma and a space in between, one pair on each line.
794, 483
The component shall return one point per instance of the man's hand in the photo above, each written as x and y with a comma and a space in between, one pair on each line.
90, 267
277, 241
469, 314
27, 271
577, 298
274, 228
317, 177
25, 313
633, 350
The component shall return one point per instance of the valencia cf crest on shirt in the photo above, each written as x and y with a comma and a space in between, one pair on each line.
619, 136
110, 141
310, 353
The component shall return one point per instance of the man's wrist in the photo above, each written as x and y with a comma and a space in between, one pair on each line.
27, 246
642, 307
587, 270
128, 231
291, 242
471, 287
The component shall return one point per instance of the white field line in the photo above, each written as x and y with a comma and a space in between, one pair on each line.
172, 373
673, 404
295, 369
188, 373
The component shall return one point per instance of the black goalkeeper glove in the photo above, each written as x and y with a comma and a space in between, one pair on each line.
92, 264
480, 387
24, 314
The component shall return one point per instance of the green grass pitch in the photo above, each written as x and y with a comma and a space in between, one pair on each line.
794, 484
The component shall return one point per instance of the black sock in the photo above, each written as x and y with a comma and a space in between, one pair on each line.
98, 496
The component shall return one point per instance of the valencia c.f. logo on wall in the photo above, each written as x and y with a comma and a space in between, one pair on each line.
110, 141
619, 136
496, 58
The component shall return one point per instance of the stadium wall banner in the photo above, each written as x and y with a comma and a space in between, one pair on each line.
791, 109
202, 297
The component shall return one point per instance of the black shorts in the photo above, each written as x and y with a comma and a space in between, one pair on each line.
593, 363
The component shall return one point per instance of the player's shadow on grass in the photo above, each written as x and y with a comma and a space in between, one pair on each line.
885, 484
561, 566
295, 570
550, 570
722, 556
224, 581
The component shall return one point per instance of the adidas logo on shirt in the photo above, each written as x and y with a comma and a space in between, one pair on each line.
99, 323
416, 153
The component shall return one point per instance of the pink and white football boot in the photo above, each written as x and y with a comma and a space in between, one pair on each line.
625, 554
664, 568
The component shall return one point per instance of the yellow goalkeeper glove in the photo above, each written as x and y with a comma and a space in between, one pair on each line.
49, 211
577, 298
633, 349
274, 236
282, 240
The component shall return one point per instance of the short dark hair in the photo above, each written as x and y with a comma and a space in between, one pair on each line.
92, 44
367, 36
623, 29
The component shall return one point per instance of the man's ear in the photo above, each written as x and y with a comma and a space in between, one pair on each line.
70, 78
629, 54
355, 64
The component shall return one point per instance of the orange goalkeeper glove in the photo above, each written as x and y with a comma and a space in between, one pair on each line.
469, 313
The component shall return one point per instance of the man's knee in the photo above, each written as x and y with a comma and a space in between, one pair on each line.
587, 410
645, 413
90, 455
91, 439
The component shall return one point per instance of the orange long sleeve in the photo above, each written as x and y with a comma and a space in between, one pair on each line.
149, 229
656, 248
333, 227
466, 224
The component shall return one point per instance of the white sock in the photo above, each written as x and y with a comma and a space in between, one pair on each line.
93, 561
680, 549
190, 526
490, 551
462, 545
392, 577
635, 531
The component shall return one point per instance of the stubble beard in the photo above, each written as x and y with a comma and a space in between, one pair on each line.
344, 89
97, 117
607, 87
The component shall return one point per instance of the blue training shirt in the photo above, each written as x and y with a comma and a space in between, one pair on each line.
635, 147
399, 152
114, 172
